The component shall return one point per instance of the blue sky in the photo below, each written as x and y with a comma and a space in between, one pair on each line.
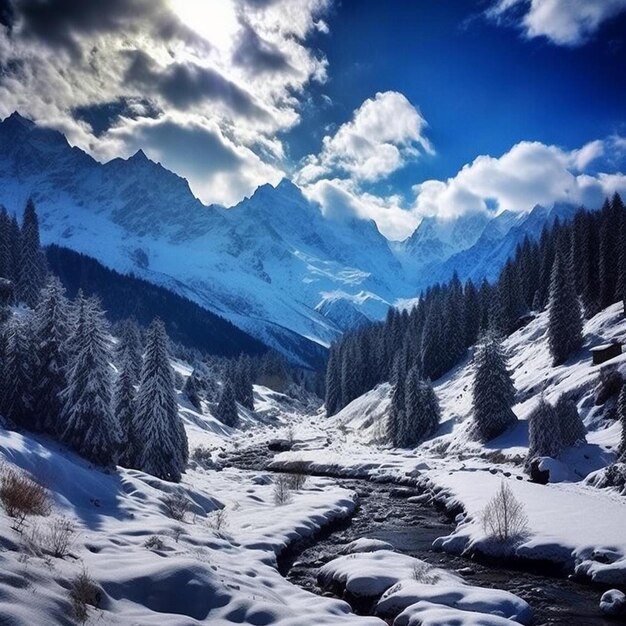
481, 87
390, 111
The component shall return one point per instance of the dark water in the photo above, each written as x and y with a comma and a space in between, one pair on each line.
411, 528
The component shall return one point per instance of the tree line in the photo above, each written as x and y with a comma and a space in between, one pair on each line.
573, 270
62, 374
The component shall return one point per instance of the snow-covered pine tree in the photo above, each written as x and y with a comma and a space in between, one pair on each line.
422, 412
160, 429
243, 383
16, 399
6, 254
544, 432
191, 389
124, 409
611, 217
564, 314
226, 411
493, 390
412, 409
396, 420
573, 430
431, 411
433, 348
129, 349
32, 269
333, 382
472, 313
454, 324
90, 426
621, 415
348, 375
77, 318
50, 325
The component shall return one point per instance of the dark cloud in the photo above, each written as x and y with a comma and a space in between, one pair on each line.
6, 13
185, 85
191, 150
62, 23
257, 55
101, 117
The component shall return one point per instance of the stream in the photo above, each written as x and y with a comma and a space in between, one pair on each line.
384, 513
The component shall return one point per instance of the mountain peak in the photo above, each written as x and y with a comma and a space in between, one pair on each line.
17, 122
139, 157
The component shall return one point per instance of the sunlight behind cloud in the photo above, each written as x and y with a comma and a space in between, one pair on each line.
215, 21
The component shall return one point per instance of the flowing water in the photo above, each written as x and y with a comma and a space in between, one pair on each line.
384, 513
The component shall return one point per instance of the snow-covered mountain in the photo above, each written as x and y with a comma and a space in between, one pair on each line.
273, 264
262, 264
496, 244
437, 239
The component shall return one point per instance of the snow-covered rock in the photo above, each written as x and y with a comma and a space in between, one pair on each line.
613, 603
370, 574
455, 596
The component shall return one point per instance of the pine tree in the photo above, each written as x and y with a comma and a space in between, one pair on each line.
544, 432
124, 407
590, 291
422, 412
90, 424
226, 411
396, 421
572, 429
493, 391
32, 270
610, 226
78, 320
242, 383
333, 382
434, 350
51, 359
472, 314
564, 316
160, 429
454, 324
129, 349
621, 415
6, 257
16, 397
192, 390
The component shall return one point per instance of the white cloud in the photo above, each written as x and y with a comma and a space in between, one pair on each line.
341, 199
384, 133
238, 71
530, 173
563, 22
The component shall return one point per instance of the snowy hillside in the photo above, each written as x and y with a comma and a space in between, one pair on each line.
570, 521
272, 265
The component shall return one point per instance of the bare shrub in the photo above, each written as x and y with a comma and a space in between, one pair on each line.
21, 497
154, 542
504, 518
282, 489
177, 533
84, 592
55, 538
290, 435
297, 475
202, 455
423, 573
177, 505
218, 520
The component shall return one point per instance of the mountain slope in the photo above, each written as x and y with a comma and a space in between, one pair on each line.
273, 265
127, 296
262, 265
